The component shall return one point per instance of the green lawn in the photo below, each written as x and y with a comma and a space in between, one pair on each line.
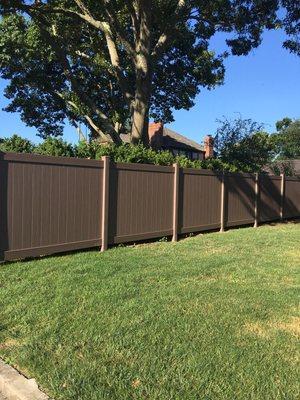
214, 316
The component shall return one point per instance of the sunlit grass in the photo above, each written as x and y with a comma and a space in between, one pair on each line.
215, 316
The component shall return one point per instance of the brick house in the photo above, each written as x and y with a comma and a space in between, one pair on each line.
162, 138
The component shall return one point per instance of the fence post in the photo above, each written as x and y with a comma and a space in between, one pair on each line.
105, 201
256, 203
282, 194
223, 202
175, 202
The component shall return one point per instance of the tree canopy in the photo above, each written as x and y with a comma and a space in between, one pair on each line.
112, 64
291, 24
287, 139
244, 144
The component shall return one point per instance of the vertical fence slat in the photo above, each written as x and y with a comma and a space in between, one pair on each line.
256, 203
282, 193
175, 202
223, 202
105, 203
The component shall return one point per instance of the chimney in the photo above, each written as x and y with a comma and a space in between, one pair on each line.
155, 134
209, 146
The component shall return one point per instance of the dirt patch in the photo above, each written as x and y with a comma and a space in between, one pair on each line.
292, 326
264, 330
256, 329
9, 343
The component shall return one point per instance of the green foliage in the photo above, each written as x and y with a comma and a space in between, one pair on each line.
282, 167
54, 147
236, 161
84, 149
132, 154
140, 154
56, 59
243, 146
282, 124
16, 144
287, 139
291, 25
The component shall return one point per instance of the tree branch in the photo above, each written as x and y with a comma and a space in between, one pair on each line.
75, 85
169, 31
110, 42
87, 117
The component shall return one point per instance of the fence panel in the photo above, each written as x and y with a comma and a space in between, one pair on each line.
52, 204
199, 200
240, 199
140, 202
270, 198
291, 205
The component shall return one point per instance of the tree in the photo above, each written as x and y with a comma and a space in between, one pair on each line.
287, 139
291, 25
16, 144
243, 144
113, 62
55, 147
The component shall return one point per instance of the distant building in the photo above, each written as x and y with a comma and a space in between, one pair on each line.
162, 138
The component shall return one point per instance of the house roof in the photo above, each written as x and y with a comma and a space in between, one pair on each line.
173, 140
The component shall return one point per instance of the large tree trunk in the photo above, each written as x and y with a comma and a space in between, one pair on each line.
139, 129
140, 106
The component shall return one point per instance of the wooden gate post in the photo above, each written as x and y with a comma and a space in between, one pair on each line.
175, 202
223, 202
256, 202
105, 203
282, 194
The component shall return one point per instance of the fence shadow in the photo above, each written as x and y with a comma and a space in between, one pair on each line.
243, 191
113, 206
3, 206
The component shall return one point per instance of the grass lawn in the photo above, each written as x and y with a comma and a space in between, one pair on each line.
214, 316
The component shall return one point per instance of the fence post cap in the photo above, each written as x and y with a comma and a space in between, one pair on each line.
103, 158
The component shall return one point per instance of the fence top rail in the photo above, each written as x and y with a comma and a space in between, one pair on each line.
293, 178
196, 171
143, 167
83, 162
271, 177
241, 174
41, 159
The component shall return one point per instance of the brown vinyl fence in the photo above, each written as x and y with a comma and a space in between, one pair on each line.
56, 204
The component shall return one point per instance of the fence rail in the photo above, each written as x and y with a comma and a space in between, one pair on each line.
56, 204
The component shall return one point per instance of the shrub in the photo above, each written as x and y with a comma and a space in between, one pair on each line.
83, 150
124, 153
55, 147
16, 144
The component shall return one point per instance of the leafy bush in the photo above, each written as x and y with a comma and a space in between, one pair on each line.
16, 144
282, 167
124, 153
55, 147
131, 154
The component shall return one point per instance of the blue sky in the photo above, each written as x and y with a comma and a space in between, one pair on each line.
264, 86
